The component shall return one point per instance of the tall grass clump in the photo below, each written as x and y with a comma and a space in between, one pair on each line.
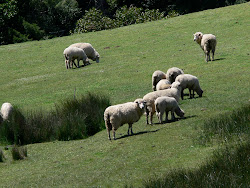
226, 126
72, 119
19, 152
80, 118
2, 157
229, 167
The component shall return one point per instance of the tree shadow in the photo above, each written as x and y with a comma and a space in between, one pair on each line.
138, 133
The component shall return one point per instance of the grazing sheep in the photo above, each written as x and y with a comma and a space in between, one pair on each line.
156, 77
117, 115
72, 53
163, 84
207, 43
172, 73
166, 104
89, 50
6, 111
191, 82
174, 91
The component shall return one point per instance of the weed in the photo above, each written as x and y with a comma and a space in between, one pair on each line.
19, 153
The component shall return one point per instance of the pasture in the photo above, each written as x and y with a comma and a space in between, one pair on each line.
33, 76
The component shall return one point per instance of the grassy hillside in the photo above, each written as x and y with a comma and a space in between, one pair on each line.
33, 76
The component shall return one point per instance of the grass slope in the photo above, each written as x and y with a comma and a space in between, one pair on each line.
33, 76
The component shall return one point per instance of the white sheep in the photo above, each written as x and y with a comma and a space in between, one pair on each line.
166, 104
172, 73
163, 84
207, 43
72, 53
191, 82
174, 91
156, 77
117, 115
6, 111
89, 51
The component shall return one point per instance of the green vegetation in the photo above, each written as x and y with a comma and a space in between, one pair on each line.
33, 76
72, 118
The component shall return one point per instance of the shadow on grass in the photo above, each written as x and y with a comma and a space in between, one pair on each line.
176, 119
219, 59
138, 133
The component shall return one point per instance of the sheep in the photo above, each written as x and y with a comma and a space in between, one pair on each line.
174, 91
72, 53
89, 50
163, 84
6, 111
172, 73
156, 77
191, 82
117, 115
166, 104
207, 43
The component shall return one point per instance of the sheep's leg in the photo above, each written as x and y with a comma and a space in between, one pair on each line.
114, 134
173, 117
213, 50
66, 64
193, 93
182, 94
130, 127
147, 114
108, 131
151, 118
160, 116
190, 93
166, 119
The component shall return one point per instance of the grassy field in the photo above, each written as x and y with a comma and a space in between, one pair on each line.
33, 76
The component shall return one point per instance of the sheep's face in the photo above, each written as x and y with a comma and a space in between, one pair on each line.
176, 85
140, 103
198, 36
182, 113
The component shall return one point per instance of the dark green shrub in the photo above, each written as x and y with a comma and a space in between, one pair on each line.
93, 20
2, 157
19, 153
128, 16
72, 119
33, 31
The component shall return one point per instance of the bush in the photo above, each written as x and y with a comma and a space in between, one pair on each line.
93, 20
228, 167
19, 153
33, 31
72, 119
227, 125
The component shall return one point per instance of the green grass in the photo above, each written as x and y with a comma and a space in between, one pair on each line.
33, 75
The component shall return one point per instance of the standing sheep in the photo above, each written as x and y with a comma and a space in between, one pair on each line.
89, 50
6, 111
207, 43
163, 84
172, 73
166, 104
191, 82
174, 91
72, 53
117, 115
156, 77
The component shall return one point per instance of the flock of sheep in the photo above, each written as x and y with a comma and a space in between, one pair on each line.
167, 91
167, 88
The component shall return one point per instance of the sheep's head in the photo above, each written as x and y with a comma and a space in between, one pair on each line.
176, 85
198, 36
200, 92
140, 103
180, 113
97, 57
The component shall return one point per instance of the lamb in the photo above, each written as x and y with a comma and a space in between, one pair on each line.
72, 53
207, 43
117, 115
174, 91
191, 82
166, 104
172, 73
89, 50
163, 84
6, 111
156, 77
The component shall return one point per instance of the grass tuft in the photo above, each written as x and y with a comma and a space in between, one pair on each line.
2, 157
229, 167
72, 119
226, 125
19, 152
